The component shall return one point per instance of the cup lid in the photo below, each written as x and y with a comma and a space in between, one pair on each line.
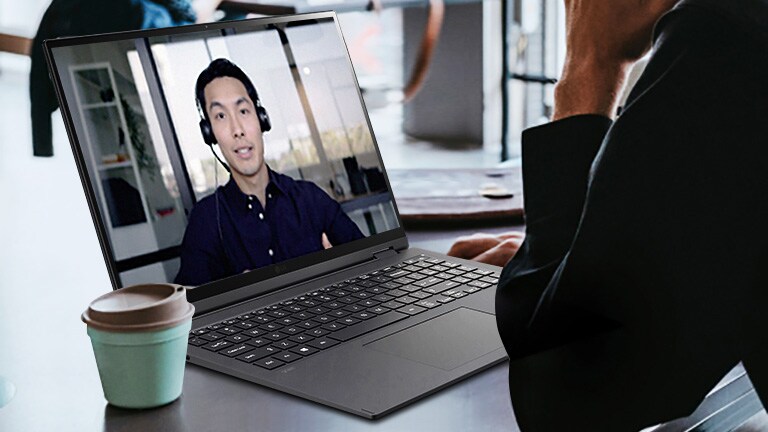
139, 308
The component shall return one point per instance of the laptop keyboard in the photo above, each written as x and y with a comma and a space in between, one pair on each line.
294, 329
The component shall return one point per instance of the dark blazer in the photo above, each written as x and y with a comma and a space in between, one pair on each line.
644, 275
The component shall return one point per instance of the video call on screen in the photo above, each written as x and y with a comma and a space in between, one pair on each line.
137, 122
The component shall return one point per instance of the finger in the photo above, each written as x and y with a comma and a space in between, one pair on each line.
501, 254
326, 243
512, 235
467, 247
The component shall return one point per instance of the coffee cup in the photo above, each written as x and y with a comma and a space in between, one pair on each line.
139, 337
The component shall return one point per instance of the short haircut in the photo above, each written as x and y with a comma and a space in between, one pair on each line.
223, 68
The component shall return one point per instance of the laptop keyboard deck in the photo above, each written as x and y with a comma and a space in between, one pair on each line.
291, 330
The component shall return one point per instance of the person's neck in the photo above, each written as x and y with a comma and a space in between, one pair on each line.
255, 184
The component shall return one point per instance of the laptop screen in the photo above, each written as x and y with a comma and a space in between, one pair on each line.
212, 152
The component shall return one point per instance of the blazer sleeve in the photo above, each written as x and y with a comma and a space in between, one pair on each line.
556, 163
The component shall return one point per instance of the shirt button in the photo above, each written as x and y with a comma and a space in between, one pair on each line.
269, 195
250, 207
271, 253
250, 198
261, 216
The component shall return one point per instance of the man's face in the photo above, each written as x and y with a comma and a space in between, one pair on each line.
235, 125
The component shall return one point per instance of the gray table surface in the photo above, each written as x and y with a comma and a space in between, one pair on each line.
47, 355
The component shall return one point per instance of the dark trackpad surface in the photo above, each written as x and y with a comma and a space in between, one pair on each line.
447, 341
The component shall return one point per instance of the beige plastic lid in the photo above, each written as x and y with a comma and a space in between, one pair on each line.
140, 308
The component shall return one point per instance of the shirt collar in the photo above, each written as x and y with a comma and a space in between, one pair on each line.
233, 193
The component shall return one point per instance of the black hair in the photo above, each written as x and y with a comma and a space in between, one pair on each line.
218, 68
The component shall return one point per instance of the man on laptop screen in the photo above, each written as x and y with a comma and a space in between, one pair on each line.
260, 217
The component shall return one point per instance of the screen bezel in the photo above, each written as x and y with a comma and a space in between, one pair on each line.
248, 284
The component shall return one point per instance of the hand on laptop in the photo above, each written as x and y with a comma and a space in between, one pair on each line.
603, 40
487, 248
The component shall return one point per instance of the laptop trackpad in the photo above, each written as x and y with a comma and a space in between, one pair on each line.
447, 341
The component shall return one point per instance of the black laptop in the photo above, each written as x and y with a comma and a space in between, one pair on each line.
237, 159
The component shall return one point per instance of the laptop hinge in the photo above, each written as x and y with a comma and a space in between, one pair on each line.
385, 253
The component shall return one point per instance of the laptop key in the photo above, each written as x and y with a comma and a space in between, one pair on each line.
287, 356
354, 308
411, 309
347, 300
245, 325
269, 363
397, 293
444, 299
212, 336
404, 280
410, 288
428, 282
249, 357
490, 280
367, 326
196, 341
363, 315
442, 286
461, 280
304, 350
229, 330
309, 324
378, 310
199, 332
429, 304
479, 284
236, 350
254, 332
391, 304
238, 338
420, 295
406, 299
275, 336
335, 326
339, 313
217, 345
368, 303
348, 321
258, 342
301, 338
322, 343
261, 319
284, 344
389, 285
317, 332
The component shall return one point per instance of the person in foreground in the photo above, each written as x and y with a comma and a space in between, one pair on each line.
642, 279
259, 217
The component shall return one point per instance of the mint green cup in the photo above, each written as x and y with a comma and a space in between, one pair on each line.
139, 338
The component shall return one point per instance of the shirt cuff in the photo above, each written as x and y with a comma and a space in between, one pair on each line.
557, 158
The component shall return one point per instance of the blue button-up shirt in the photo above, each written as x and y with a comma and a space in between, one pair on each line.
230, 232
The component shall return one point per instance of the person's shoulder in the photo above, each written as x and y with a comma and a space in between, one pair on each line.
293, 186
204, 208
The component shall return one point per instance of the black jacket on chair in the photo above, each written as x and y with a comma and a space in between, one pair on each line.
644, 275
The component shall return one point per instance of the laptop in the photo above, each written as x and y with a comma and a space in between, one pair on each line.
238, 159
